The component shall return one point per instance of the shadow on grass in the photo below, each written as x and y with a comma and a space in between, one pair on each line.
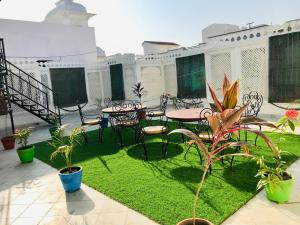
154, 150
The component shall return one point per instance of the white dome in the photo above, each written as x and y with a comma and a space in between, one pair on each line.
68, 12
67, 6
100, 52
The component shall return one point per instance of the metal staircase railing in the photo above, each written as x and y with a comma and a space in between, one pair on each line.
27, 92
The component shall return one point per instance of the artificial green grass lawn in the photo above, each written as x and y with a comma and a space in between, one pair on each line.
164, 190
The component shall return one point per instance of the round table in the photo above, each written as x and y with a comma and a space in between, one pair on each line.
112, 110
185, 115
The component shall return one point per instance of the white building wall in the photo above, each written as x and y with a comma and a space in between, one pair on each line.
37, 39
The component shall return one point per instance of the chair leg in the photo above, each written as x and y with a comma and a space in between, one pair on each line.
101, 132
187, 151
118, 130
232, 158
85, 137
166, 147
257, 136
144, 146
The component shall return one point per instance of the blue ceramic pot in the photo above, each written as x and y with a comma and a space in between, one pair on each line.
71, 181
104, 123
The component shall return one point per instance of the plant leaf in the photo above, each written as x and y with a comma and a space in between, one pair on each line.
231, 96
257, 121
226, 84
215, 99
193, 136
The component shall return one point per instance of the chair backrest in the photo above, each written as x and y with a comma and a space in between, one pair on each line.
164, 102
254, 101
127, 112
188, 103
203, 124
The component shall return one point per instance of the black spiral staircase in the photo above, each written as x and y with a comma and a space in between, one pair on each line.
20, 88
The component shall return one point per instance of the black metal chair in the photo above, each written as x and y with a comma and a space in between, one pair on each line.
91, 120
159, 111
150, 130
203, 129
126, 116
188, 103
254, 101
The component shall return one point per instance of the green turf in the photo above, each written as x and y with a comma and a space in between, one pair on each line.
164, 190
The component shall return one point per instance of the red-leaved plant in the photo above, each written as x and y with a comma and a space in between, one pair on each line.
223, 124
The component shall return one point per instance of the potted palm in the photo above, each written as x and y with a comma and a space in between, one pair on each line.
222, 124
25, 152
71, 175
138, 91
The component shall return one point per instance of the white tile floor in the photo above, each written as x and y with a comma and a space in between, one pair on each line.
32, 194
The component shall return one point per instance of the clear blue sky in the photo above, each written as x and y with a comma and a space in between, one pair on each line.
122, 25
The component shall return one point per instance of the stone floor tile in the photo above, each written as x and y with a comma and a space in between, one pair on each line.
113, 207
112, 219
12, 211
36, 210
25, 198
27, 221
7, 221
88, 219
49, 197
54, 220
134, 218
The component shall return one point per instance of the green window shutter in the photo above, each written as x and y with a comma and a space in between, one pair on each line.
284, 68
117, 82
191, 80
69, 84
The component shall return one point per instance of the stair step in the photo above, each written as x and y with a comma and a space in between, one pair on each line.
38, 110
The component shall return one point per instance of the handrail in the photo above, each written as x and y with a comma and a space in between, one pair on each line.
31, 77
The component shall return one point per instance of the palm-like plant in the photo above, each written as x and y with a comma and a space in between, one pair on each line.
230, 95
222, 124
64, 146
138, 91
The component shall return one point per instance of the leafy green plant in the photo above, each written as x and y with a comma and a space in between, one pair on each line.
22, 136
230, 95
271, 175
64, 146
138, 91
222, 125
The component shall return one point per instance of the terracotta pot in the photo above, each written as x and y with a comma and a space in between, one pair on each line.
8, 142
199, 221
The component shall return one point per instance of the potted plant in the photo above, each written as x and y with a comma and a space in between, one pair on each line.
138, 91
8, 141
70, 176
222, 124
277, 182
25, 152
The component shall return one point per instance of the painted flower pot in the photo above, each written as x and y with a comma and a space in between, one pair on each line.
281, 191
71, 181
104, 123
26, 154
52, 130
8, 142
198, 221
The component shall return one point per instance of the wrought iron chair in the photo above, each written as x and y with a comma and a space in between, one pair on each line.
188, 103
126, 119
91, 120
159, 111
254, 101
150, 130
203, 129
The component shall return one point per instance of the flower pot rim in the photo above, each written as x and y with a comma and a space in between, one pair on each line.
68, 174
8, 137
25, 148
191, 219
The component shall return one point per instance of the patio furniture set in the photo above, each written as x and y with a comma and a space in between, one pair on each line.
131, 114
